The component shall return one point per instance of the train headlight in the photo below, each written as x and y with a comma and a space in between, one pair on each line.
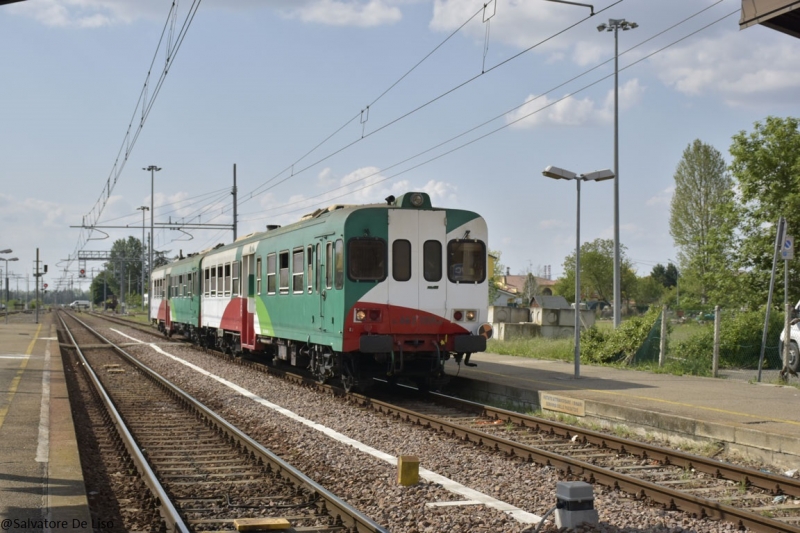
360, 315
417, 200
471, 315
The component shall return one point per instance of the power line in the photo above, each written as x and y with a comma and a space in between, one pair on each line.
492, 132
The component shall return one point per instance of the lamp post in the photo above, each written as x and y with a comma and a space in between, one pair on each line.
615, 25
597, 175
143, 209
153, 169
6, 272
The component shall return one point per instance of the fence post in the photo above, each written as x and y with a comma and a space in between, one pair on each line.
662, 348
717, 323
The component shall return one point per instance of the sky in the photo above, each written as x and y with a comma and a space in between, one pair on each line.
319, 102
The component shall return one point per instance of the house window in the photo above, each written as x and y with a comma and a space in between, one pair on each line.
271, 273
283, 271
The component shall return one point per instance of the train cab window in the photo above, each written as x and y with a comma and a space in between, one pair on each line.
338, 264
235, 278
213, 281
401, 260
258, 276
297, 270
206, 282
310, 268
329, 265
271, 274
283, 271
466, 261
432, 260
366, 259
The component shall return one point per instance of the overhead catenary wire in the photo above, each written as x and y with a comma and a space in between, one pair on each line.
504, 114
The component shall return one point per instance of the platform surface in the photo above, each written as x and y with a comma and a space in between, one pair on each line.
41, 482
760, 417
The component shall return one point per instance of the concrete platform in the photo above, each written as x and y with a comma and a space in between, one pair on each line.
758, 420
41, 482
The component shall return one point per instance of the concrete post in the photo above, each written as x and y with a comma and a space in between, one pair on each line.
717, 327
662, 351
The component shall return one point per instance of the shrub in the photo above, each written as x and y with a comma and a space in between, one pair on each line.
619, 344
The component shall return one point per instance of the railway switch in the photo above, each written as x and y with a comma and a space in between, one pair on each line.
575, 504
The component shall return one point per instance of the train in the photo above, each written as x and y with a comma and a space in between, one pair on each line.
355, 293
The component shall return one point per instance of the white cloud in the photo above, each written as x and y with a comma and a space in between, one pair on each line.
88, 13
347, 13
663, 197
738, 69
572, 111
551, 223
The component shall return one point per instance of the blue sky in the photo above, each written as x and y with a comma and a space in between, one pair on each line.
260, 83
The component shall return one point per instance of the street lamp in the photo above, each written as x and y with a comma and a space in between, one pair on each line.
597, 175
143, 209
153, 169
615, 25
6, 271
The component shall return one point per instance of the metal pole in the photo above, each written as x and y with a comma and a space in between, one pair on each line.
578, 282
150, 255
617, 287
778, 240
717, 329
6, 272
36, 287
235, 201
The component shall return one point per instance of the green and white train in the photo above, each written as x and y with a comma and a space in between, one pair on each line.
382, 291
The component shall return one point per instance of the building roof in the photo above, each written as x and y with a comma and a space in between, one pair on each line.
780, 15
550, 302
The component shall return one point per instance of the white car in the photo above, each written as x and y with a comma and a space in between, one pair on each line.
794, 340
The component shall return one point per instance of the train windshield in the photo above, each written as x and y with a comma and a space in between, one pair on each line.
366, 259
466, 261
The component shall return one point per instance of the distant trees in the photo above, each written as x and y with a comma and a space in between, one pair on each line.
597, 272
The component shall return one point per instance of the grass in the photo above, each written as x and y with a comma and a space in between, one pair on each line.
536, 347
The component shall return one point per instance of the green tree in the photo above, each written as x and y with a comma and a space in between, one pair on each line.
703, 218
667, 276
126, 263
649, 290
597, 272
496, 274
766, 170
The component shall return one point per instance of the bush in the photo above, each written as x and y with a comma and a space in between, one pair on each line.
621, 343
740, 341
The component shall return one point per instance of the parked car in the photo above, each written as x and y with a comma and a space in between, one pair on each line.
80, 304
794, 340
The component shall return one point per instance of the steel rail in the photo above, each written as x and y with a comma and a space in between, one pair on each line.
350, 516
169, 513
672, 499
774, 483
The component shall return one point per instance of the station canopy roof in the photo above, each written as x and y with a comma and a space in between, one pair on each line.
781, 15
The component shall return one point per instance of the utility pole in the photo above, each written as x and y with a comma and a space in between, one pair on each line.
233, 192
36, 289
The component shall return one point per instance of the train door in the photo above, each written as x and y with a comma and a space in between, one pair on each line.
432, 234
405, 274
326, 273
194, 299
247, 290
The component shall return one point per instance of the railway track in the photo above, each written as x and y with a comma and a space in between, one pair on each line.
203, 473
703, 487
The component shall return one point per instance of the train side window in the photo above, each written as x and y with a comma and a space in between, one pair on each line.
258, 275
310, 268
466, 261
181, 286
319, 270
401, 260
432, 260
283, 271
189, 284
271, 274
366, 259
339, 264
235, 278
297, 270
213, 281
227, 284
207, 284
329, 265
